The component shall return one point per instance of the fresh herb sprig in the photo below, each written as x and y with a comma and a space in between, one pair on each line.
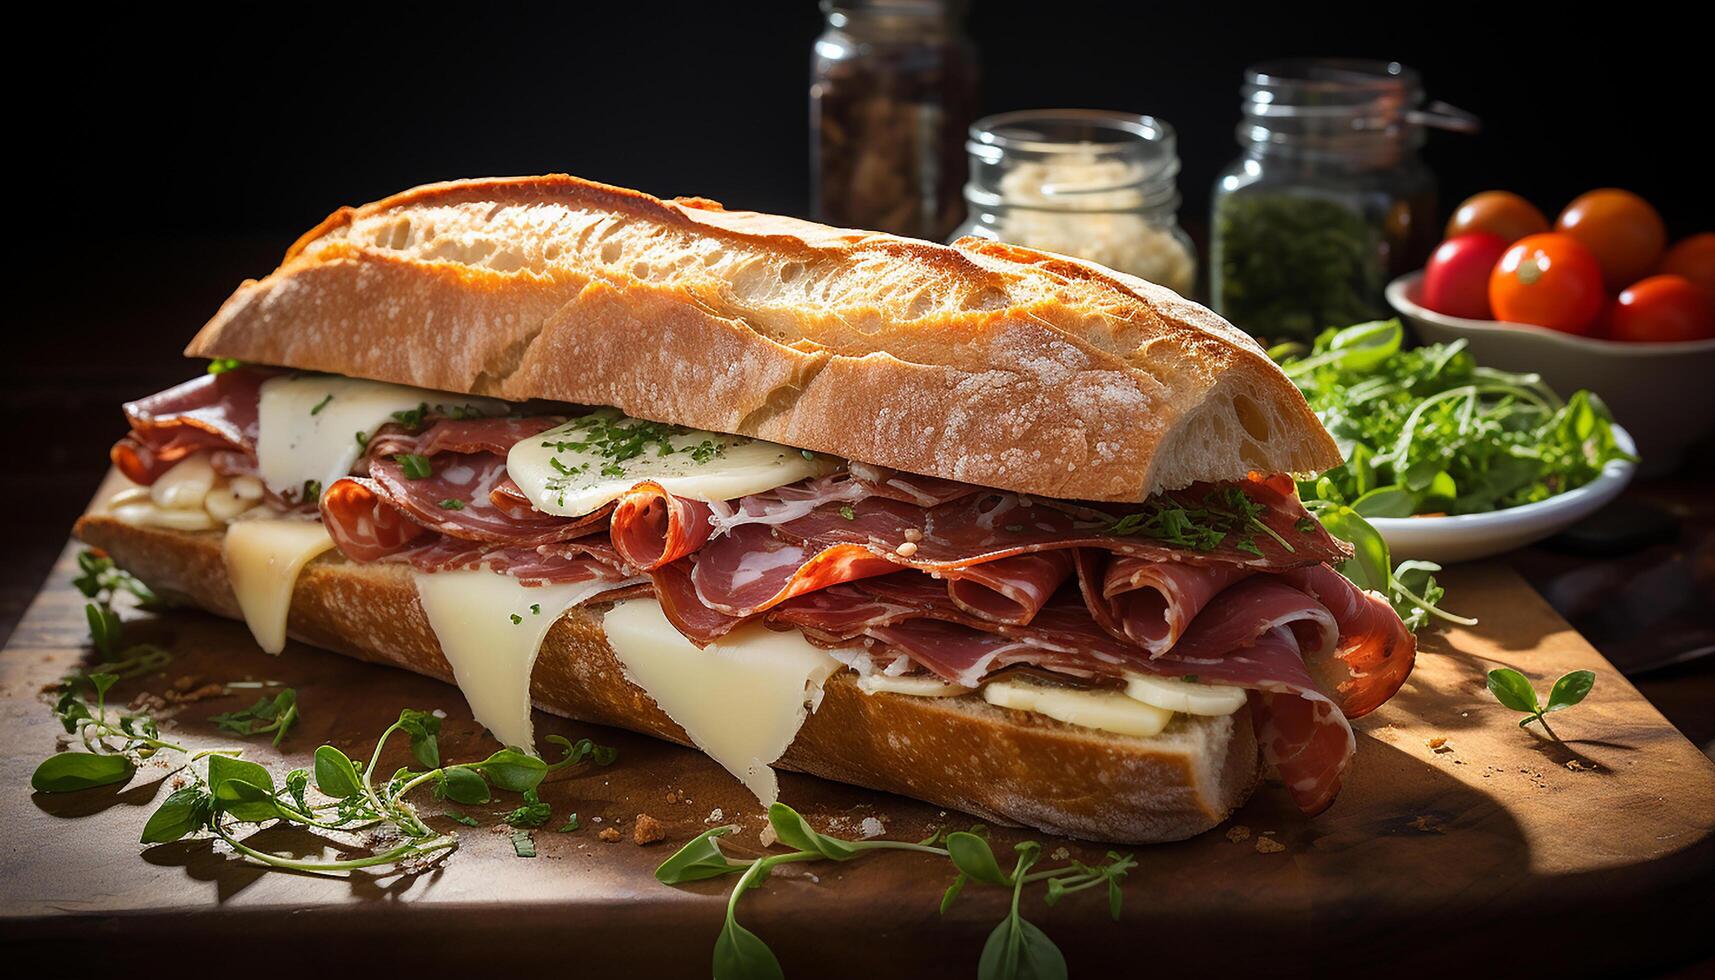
269, 714
1514, 690
1429, 431
1015, 949
1409, 586
1221, 514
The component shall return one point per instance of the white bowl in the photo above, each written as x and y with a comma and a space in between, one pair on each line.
1467, 537
1664, 393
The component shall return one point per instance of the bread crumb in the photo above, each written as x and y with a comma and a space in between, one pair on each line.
647, 830
1238, 832
906, 549
1060, 854
610, 835
672, 797
1439, 744
714, 816
1573, 765
768, 837
1268, 845
1422, 823
871, 827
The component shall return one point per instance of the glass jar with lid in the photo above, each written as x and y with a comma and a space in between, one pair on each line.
1329, 200
1095, 185
893, 88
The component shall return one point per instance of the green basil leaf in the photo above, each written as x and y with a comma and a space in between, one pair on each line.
972, 855
1570, 689
1512, 689
463, 785
70, 771
1389, 501
1018, 950
699, 859
739, 955
513, 771
336, 774
183, 813
795, 832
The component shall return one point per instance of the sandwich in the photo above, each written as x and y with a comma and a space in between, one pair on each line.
993, 528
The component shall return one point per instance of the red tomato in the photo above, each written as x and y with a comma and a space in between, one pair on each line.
1693, 258
1456, 280
1549, 280
1620, 229
1663, 308
1500, 213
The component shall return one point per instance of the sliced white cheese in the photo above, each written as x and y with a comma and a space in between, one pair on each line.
145, 513
309, 425
1109, 711
741, 699
263, 559
1172, 694
575, 468
185, 484
490, 627
917, 685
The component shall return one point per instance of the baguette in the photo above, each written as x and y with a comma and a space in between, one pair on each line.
1000, 765
981, 362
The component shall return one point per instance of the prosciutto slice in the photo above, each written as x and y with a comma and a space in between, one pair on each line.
1375, 651
652, 527
215, 411
1010, 590
455, 499
364, 524
1150, 603
496, 435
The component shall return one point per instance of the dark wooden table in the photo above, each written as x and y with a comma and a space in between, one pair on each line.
90, 338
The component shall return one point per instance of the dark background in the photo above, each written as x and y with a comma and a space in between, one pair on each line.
165, 157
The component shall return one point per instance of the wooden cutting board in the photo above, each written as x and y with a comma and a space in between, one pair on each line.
1497, 851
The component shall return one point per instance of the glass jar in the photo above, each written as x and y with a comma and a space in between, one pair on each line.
893, 87
1329, 200
1095, 185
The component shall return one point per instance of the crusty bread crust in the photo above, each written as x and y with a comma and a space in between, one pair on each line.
1001, 765
982, 362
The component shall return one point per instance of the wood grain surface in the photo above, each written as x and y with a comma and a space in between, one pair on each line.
1498, 848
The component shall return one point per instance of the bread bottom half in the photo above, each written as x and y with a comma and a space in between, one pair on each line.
1001, 765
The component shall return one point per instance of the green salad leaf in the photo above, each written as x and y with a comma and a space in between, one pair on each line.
1429, 431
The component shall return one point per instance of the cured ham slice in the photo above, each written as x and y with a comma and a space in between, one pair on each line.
215, 411
752, 569
1375, 652
1011, 590
1150, 603
364, 525
652, 527
455, 499
495, 435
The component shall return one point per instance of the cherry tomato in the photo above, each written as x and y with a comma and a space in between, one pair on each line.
1549, 280
1620, 229
1456, 280
1663, 308
1500, 213
1693, 258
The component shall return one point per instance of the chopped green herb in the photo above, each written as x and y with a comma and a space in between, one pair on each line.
535, 609
362, 440
221, 365
415, 467
516, 619
1015, 528
534, 813
322, 404
312, 491
847, 512
413, 417
572, 823
452, 503
269, 714
463, 818
807, 454
523, 844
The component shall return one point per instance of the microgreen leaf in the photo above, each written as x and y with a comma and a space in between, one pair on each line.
463, 785
795, 832
700, 858
68, 771
1512, 689
513, 770
336, 774
1570, 689
740, 955
182, 813
1018, 950
972, 855
424, 730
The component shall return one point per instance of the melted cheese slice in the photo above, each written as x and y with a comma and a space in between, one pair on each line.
308, 425
1109, 711
574, 469
1172, 694
917, 685
490, 627
263, 559
741, 699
